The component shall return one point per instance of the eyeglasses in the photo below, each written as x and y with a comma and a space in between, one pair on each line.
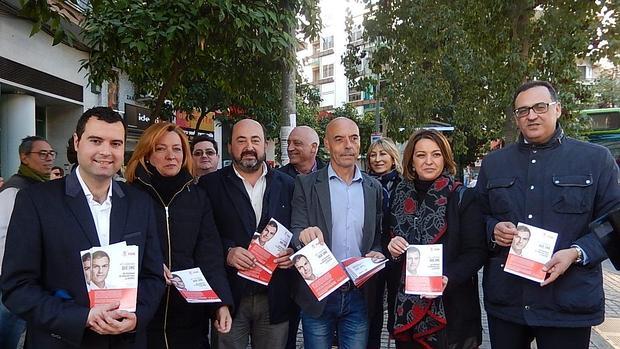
200, 152
538, 108
43, 154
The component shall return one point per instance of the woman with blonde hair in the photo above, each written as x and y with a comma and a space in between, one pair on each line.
383, 163
430, 207
162, 166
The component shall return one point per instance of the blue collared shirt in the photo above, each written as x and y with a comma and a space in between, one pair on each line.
347, 205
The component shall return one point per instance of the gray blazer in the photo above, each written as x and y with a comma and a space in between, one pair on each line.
311, 207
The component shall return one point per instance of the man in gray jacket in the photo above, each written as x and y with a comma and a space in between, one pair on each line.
342, 207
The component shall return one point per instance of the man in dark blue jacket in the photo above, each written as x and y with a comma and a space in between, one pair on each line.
559, 184
43, 275
245, 196
302, 150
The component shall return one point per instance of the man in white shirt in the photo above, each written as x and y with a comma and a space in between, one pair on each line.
245, 196
43, 274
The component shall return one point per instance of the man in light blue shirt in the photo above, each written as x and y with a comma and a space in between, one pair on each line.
341, 207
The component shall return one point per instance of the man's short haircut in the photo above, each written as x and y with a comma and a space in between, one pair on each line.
100, 254
272, 224
205, 138
524, 229
85, 257
414, 249
26, 145
62, 170
535, 83
106, 114
71, 153
298, 257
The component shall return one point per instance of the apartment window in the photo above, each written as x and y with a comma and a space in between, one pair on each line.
354, 95
328, 42
585, 72
328, 71
357, 34
316, 47
316, 74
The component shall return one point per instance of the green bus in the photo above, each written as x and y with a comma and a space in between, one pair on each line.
605, 129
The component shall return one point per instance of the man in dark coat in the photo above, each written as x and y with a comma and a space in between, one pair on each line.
303, 146
42, 275
245, 196
559, 184
302, 149
36, 160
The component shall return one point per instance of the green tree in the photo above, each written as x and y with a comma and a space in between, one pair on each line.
204, 54
460, 61
606, 89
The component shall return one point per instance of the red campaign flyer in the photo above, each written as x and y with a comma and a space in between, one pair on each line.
319, 268
193, 286
361, 269
531, 248
111, 275
256, 274
424, 270
266, 246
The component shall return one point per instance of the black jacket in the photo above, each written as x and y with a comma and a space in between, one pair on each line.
464, 253
236, 222
290, 170
191, 241
560, 186
18, 181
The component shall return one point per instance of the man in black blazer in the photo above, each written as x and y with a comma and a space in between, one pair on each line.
302, 150
42, 275
342, 207
245, 195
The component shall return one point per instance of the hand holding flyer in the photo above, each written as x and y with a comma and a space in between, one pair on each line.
361, 269
531, 248
319, 269
111, 275
266, 246
193, 286
424, 270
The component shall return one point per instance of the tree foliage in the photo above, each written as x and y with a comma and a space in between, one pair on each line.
203, 54
606, 89
460, 61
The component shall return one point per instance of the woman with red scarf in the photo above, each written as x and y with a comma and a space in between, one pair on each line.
428, 207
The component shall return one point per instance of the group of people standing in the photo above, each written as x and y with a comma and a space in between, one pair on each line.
183, 214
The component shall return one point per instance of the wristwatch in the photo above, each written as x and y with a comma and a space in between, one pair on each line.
579, 259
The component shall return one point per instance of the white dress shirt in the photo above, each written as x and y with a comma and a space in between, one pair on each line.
255, 192
101, 212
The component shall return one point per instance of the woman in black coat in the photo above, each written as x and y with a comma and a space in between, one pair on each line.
430, 207
384, 164
162, 166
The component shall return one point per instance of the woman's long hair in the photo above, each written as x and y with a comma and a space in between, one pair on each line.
146, 147
390, 148
442, 143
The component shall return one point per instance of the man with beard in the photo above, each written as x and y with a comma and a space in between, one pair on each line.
247, 195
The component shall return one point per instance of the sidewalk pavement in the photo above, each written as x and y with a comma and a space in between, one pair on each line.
604, 336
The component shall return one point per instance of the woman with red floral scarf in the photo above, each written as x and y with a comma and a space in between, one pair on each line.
428, 207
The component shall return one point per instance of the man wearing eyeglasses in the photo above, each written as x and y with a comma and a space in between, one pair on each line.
37, 158
557, 183
204, 152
